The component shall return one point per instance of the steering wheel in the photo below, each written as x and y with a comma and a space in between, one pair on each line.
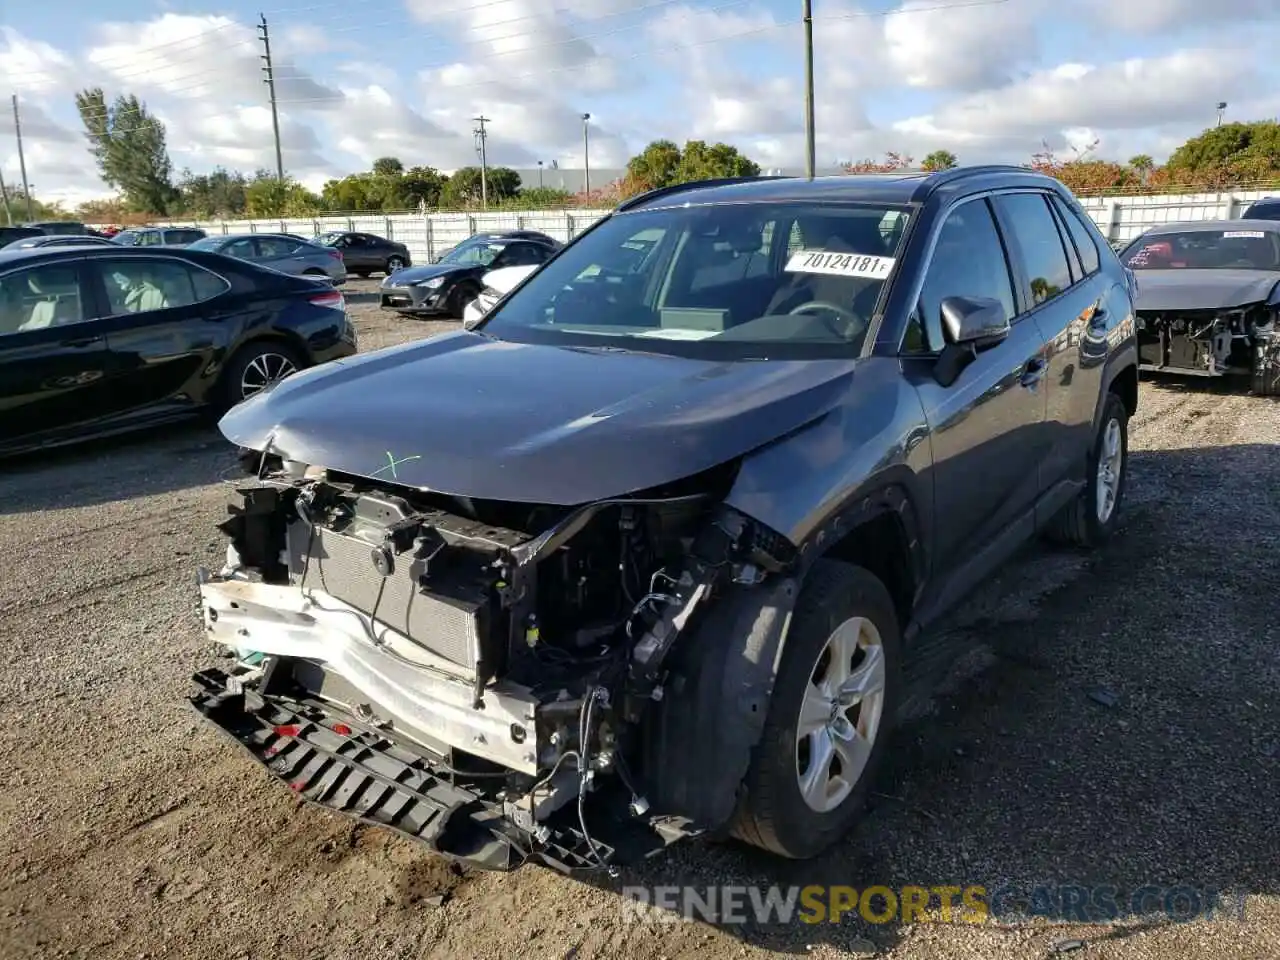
841, 312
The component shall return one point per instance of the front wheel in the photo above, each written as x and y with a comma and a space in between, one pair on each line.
829, 716
458, 300
1266, 366
1091, 518
394, 264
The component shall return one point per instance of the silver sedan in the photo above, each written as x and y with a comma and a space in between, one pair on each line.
281, 252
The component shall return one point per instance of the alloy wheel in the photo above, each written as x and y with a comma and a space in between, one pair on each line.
264, 370
840, 715
1110, 461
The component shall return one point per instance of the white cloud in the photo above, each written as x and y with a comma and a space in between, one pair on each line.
990, 82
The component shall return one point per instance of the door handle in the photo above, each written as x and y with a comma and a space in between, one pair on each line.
1032, 371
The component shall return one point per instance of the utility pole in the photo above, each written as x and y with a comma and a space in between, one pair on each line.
22, 160
271, 91
539, 174
8, 214
586, 155
810, 153
481, 136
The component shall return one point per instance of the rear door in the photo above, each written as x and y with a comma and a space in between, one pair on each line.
280, 253
1067, 291
54, 358
986, 428
165, 322
363, 253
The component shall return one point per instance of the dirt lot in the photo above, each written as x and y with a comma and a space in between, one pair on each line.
128, 829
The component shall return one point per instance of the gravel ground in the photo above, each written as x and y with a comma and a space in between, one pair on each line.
131, 830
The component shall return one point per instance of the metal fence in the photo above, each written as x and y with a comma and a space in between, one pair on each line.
427, 235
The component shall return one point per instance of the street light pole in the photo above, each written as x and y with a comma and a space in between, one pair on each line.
539, 174
810, 150
1222, 106
586, 154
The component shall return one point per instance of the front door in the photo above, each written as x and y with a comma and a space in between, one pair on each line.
986, 427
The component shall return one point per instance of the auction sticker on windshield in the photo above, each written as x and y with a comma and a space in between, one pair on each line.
1252, 234
840, 264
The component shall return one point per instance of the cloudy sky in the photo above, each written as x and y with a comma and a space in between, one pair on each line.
987, 79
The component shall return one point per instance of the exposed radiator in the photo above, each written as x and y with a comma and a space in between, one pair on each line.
343, 567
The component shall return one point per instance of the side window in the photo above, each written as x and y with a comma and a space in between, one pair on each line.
242, 248
968, 261
152, 238
1068, 246
40, 297
522, 255
143, 285
269, 248
1037, 239
1080, 235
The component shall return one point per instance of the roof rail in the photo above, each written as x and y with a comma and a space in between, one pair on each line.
933, 181
673, 188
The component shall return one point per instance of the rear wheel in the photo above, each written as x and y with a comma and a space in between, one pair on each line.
255, 367
829, 717
1091, 518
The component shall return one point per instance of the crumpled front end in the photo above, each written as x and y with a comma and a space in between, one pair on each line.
1204, 342
475, 675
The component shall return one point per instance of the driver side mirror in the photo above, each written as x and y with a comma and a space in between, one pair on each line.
970, 325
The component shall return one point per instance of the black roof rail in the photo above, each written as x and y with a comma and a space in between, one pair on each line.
942, 177
635, 201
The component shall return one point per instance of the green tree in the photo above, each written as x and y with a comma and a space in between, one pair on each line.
268, 196
359, 191
388, 167
655, 166
939, 160
421, 185
1142, 162
544, 197
463, 188
1233, 150
698, 161
128, 145
207, 196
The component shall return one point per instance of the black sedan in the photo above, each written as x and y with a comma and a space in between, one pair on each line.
366, 253
98, 340
448, 285
58, 240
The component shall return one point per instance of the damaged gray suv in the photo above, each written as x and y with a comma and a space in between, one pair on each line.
645, 553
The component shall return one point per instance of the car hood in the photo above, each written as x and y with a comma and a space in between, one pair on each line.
424, 272
468, 415
1203, 289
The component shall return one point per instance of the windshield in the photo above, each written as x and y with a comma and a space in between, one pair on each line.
206, 243
725, 281
473, 253
126, 237
1206, 250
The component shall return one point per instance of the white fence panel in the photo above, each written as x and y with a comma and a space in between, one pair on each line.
428, 235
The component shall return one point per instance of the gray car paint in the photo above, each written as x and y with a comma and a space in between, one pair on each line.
303, 257
1204, 289
995, 453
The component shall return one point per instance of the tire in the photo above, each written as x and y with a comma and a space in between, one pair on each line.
394, 263
1266, 366
459, 299
774, 814
248, 360
1080, 523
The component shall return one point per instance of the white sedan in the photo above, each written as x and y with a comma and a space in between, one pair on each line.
497, 284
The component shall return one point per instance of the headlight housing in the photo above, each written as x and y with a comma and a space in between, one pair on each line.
435, 283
